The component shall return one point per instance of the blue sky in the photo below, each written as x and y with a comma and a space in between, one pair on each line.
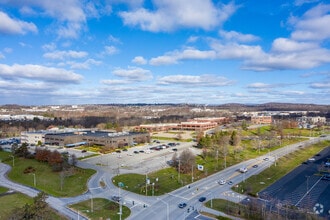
164, 51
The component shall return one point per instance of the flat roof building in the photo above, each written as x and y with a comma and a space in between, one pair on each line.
102, 138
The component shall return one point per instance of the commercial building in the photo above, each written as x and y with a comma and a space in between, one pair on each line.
261, 119
102, 138
195, 124
34, 137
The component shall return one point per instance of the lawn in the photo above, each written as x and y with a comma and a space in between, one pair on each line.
161, 182
284, 165
46, 180
101, 209
10, 202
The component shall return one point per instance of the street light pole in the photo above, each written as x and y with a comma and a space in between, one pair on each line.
13, 160
146, 183
179, 172
34, 179
92, 205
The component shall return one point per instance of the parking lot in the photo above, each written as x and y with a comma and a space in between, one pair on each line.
140, 159
304, 187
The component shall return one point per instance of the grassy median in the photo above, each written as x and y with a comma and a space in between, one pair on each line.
101, 209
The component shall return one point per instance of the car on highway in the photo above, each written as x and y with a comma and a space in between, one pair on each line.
202, 199
230, 182
182, 205
266, 159
255, 166
243, 170
222, 182
136, 152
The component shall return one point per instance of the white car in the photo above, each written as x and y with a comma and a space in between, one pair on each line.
243, 170
222, 182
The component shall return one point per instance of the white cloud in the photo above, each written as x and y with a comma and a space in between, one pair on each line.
139, 60
13, 26
203, 80
237, 37
37, 72
293, 60
236, 51
133, 73
258, 85
186, 54
113, 39
2, 56
83, 65
110, 50
173, 14
62, 55
289, 45
114, 82
49, 47
192, 39
321, 85
313, 25
70, 15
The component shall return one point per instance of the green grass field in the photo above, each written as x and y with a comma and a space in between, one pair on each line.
101, 209
47, 180
10, 202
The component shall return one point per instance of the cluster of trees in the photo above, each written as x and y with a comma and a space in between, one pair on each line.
219, 144
185, 162
55, 159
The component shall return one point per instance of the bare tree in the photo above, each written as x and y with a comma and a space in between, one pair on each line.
223, 141
187, 161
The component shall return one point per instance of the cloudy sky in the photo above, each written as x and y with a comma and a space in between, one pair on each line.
164, 51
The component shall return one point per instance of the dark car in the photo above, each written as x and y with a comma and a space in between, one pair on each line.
83, 151
202, 199
255, 166
116, 198
182, 205
230, 182
136, 152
